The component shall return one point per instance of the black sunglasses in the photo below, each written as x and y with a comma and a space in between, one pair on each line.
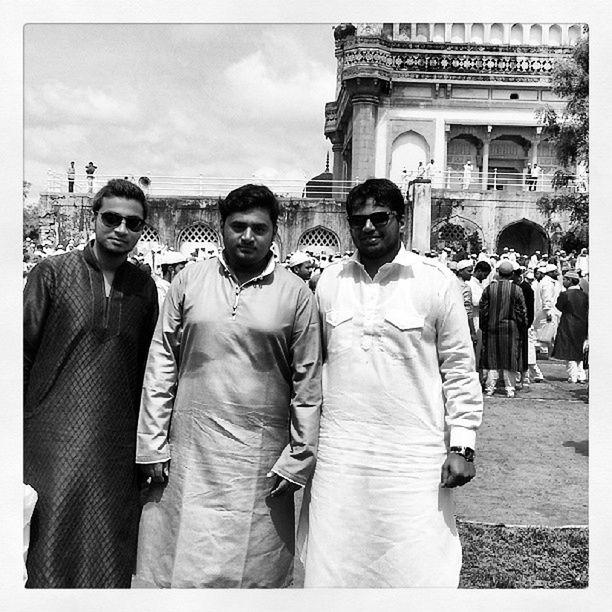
111, 219
378, 219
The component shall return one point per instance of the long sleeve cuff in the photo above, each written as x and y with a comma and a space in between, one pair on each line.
461, 436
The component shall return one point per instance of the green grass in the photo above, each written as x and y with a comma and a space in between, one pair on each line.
500, 557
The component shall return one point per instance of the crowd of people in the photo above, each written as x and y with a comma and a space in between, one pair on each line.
174, 403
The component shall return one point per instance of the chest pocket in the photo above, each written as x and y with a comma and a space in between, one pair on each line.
401, 334
339, 329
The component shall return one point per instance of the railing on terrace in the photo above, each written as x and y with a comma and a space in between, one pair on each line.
455, 180
57, 182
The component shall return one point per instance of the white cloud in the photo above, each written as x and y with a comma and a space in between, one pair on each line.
55, 100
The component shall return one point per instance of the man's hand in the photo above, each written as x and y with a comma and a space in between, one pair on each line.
456, 471
282, 486
152, 473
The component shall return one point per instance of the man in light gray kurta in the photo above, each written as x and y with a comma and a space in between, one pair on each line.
230, 412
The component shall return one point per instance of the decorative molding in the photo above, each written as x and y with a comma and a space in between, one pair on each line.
482, 66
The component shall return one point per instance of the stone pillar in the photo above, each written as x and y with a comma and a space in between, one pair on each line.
485, 159
364, 136
420, 194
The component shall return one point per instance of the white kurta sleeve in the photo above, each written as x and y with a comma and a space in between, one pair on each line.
462, 391
160, 379
297, 460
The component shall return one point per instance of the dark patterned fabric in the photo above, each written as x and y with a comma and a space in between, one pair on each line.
573, 326
529, 297
503, 320
84, 358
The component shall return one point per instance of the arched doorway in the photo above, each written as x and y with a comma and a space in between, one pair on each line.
524, 237
458, 233
407, 151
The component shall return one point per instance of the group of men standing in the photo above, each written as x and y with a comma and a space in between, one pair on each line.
511, 309
170, 446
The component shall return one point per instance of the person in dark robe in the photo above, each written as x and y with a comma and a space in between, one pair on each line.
528, 295
88, 320
503, 318
573, 303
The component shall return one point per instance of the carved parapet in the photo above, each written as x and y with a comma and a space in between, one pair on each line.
363, 57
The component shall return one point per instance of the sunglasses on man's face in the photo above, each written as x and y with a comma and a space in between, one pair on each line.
111, 219
377, 219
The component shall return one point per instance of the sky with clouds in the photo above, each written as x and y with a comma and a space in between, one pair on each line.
231, 100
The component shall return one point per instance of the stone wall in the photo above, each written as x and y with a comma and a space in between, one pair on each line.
487, 213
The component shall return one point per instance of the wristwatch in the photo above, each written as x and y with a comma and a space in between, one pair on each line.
465, 451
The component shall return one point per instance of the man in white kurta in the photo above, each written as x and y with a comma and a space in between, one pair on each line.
230, 411
401, 405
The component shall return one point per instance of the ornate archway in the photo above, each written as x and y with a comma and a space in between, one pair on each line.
458, 233
524, 237
319, 239
199, 235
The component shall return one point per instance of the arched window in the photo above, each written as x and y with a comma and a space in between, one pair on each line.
554, 35
516, 34
458, 33
198, 235
407, 150
477, 35
573, 34
149, 234
319, 239
535, 35
439, 32
422, 32
496, 37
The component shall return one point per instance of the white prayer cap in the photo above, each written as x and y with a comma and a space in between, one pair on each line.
551, 268
299, 257
170, 258
505, 267
464, 263
515, 266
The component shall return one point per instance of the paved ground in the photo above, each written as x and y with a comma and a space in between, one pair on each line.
532, 458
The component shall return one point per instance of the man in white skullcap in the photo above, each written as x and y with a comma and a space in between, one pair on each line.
573, 327
302, 264
465, 267
547, 317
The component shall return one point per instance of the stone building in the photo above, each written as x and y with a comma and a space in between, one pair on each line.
444, 94
441, 94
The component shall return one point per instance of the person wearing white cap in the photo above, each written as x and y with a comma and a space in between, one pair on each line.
172, 263
302, 264
546, 319
503, 320
582, 263
573, 327
465, 267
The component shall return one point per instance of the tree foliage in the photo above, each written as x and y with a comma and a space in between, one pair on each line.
31, 221
569, 131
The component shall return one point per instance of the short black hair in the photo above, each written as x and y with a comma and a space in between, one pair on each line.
248, 197
120, 188
383, 191
483, 266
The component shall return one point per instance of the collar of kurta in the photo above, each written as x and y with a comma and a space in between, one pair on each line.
267, 271
92, 260
403, 258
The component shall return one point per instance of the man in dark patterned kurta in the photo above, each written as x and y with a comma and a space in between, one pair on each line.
503, 319
88, 319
